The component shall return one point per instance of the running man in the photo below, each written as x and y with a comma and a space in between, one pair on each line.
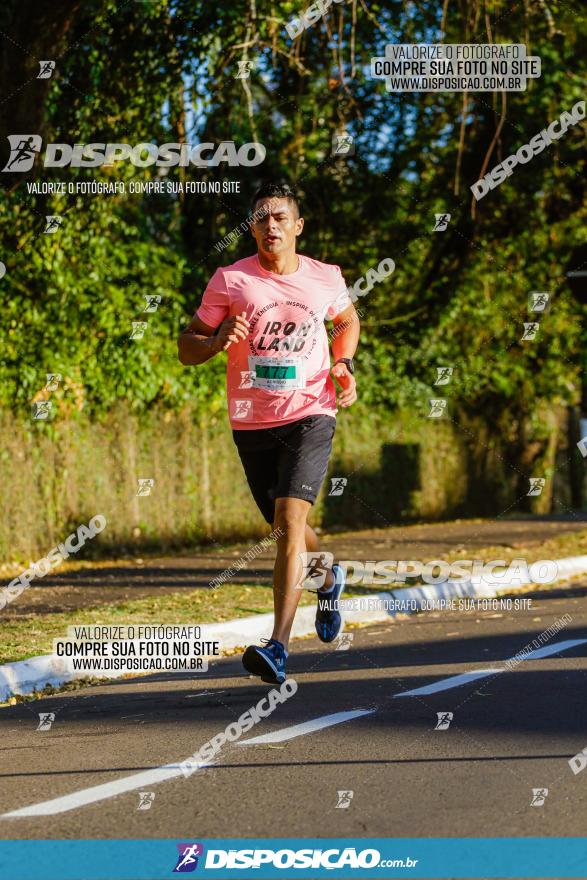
267, 312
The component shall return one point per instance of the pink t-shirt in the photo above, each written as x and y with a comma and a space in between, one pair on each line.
281, 373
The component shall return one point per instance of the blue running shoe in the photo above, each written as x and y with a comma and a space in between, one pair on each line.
268, 662
328, 620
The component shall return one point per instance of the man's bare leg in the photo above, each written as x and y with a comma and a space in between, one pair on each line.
312, 546
297, 537
290, 518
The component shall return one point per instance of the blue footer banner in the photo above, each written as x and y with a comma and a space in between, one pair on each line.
527, 857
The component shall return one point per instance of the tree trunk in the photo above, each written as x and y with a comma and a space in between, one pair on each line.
34, 31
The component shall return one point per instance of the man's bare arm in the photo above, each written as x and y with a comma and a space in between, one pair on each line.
345, 338
345, 335
197, 344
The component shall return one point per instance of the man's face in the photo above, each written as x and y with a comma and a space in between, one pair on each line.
276, 231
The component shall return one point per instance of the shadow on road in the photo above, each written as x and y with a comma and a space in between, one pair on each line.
523, 701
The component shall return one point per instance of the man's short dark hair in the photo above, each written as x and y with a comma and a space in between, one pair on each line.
276, 191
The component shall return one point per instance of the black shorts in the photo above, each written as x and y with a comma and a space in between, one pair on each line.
286, 462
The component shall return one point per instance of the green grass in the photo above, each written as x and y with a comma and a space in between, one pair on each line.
33, 634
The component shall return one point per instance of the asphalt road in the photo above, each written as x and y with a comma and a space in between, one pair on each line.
511, 732
69, 589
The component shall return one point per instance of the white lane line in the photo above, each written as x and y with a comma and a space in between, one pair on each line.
306, 727
99, 792
454, 681
549, 650
168, 771
446, 684
172, 771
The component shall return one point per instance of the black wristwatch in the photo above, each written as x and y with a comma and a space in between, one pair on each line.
349, 364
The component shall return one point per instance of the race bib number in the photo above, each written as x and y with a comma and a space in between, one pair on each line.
277, 374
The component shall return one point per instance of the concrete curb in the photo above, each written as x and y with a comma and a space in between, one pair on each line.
26, 676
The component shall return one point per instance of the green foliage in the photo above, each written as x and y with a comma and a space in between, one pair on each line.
165, 71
